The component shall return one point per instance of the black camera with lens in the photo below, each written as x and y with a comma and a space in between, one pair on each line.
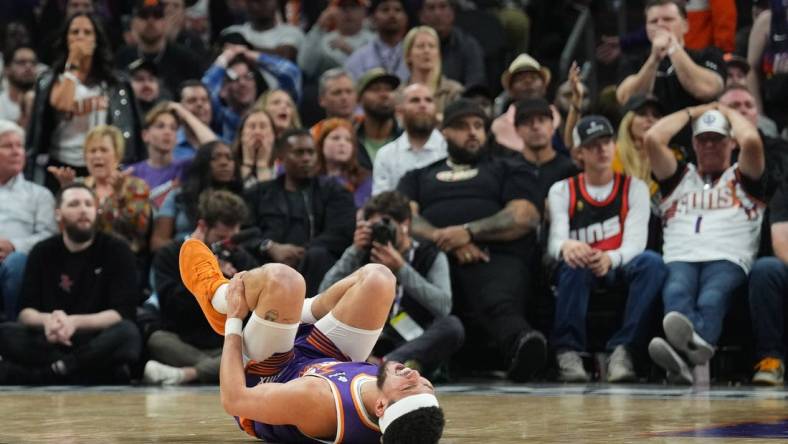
223, 250
384, 231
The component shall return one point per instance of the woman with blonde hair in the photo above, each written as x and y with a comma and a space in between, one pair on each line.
336, 154
421, 50
281, 108
631, 157
124, 206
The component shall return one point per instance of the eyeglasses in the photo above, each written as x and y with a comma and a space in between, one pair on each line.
233, 76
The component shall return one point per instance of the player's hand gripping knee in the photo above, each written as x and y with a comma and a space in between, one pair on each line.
236, 302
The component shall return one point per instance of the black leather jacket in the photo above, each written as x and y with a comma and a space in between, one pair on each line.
122, 113
330, 208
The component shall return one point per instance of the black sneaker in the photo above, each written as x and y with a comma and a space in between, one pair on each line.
529, 355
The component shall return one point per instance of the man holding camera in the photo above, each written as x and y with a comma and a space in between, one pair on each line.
420, 331
186, 349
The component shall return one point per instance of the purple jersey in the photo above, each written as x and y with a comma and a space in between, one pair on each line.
315, 355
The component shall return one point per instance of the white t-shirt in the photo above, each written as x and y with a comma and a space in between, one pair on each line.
708, 222
281, 34
90, 110
9, 110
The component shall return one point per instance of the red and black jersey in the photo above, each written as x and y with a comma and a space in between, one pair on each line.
598, 223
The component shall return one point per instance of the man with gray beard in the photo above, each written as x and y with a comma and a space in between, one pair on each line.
420, 145
78, 304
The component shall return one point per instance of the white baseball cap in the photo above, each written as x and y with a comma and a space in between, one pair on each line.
712, 121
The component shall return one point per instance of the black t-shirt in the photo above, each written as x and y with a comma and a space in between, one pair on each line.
667, 87
298, 233
672, 94
101, 277
457, 195
559, 168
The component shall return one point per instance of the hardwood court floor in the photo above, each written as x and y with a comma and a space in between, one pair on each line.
475, 414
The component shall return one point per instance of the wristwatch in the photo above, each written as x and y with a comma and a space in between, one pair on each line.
468, 229
72, 67
265, 244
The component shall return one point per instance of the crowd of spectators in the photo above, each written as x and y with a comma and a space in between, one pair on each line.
445, 139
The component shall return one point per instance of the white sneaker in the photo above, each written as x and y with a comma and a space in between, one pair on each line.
158, 373
570, 367
681, 335
619, 366
663, 355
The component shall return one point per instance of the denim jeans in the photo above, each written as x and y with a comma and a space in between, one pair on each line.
768, 287
702, 291
644, 275
12, 270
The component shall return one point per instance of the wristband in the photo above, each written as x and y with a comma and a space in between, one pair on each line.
70, 76
672, 49
233, 326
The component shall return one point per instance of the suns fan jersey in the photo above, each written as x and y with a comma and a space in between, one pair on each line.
612, 217
600, 224
719, 221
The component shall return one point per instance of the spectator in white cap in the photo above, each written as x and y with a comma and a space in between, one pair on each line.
712, 218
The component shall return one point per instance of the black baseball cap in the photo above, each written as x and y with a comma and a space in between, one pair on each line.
148, 8
590, 128
375, 75
373, 5
462, 108
531, 107
737, 60
227, 37
638, 101
143, 64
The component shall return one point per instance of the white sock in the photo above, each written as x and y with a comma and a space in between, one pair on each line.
307, 317
219, 300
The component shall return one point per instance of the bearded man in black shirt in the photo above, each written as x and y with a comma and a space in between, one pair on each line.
78, 304
483, 211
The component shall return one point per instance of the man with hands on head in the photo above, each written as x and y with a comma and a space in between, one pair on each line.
483, 211
598, 233
711, 216
235, 82
677, 76
420, 331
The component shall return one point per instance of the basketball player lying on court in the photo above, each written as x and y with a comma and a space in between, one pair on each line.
296, 372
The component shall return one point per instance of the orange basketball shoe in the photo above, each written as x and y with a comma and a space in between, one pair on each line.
201, 274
